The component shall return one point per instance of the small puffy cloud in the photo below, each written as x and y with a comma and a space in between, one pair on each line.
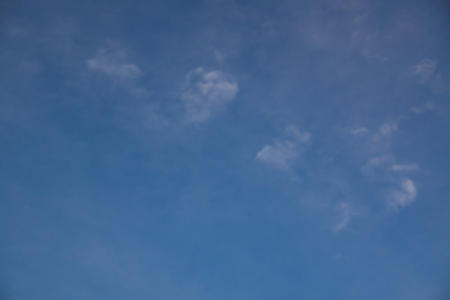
345, 213
279, 154
424, 69
283, 152
205, 92
403, 196
113, 62
404, 167
359, 131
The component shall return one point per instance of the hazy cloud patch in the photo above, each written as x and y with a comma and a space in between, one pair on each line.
385, 131
113, 61
420, 109
424, 69
359, 131
405, 167
426, 72
402, 196
345, 213
283, 152
205, 92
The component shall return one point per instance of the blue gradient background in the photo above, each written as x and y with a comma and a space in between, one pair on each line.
106, 192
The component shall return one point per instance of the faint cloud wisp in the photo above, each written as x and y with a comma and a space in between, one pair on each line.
283, 152
205, 92
345, 214
113, 62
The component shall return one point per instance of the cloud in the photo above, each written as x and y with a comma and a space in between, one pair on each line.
424, 69
283, 152
360, 131
303, 137
426, 73
403, 196
384, 132
384, 168
113, 62
377, 161
420, 109
345, 214
404, 167
387, 129
207, 91
279, 155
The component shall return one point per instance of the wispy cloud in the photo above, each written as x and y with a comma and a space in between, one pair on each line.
353, 33
139, 112
385, 131
297, 135
426, 72
383, 167
420, 109
402, 196
283, 152
113, 61
280, 154
402, 191
345, 213
377, 167
424, 69
378, 161
205, 92
359, 131
404, 167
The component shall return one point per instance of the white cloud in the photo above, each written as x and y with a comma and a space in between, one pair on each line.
385, 169
205, 92
402, 196
303, 137
424, 69
420, 109
113, 62
283, 152
279, 155
377, 161
404, 167
385, 131
387, 162
360, 131
345, 213
426, 73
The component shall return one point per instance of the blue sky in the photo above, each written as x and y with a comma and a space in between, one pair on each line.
225, 150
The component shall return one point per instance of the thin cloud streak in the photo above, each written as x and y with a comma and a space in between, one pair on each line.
405, 167
345, 214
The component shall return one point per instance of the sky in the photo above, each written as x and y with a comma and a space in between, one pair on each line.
225, 149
